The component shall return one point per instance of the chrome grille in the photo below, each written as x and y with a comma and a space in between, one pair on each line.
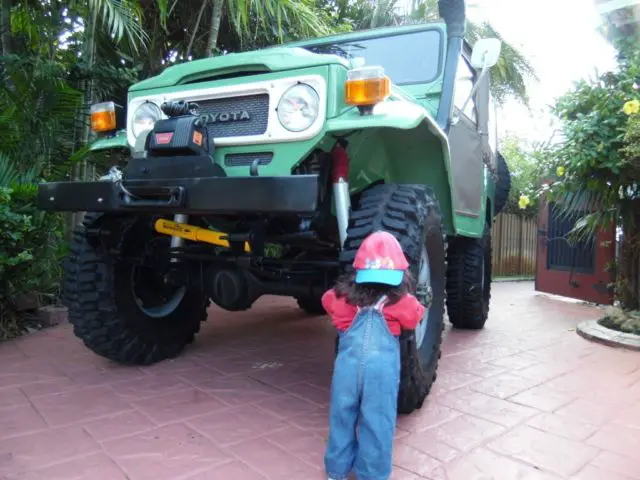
257, 106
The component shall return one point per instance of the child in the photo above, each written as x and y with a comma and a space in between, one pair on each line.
369, 308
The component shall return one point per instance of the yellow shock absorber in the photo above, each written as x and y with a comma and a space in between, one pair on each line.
195, 234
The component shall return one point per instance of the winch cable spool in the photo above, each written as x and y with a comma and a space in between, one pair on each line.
178, 108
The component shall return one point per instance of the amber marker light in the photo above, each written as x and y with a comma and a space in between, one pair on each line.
366, 86
103, 117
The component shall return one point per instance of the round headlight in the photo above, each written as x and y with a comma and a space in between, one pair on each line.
298, 107
145, 117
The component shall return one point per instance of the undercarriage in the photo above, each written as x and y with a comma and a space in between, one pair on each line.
281, 260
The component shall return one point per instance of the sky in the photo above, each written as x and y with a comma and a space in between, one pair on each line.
560, 39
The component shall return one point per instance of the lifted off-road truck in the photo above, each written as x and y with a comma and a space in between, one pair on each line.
262, 172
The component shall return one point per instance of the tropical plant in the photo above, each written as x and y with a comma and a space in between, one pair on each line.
527, 163
597, 166
510, 75
38, 117
508, 78
30, 254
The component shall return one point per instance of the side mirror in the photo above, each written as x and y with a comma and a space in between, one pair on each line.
486, 53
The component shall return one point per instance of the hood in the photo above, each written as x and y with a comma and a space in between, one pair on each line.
246, 63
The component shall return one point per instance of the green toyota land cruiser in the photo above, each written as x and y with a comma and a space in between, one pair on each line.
262, 172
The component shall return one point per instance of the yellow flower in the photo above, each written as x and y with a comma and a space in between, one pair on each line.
560, 171
631, 107
523, 202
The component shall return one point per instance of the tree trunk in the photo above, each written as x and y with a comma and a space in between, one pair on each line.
5, 27
195, 28
629, 282
375, 15
216, 17
153, 64
89, 50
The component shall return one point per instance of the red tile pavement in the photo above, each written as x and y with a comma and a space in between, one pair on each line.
526, 398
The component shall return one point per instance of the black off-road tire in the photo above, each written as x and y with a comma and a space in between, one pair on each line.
412, 214
97, 290
503, 185
311, 305
469, 281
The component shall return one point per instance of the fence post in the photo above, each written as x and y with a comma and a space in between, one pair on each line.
498, 250
521, 248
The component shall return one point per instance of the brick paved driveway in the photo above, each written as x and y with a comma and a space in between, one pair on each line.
526, 398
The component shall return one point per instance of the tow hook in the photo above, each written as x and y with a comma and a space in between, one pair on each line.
182, 231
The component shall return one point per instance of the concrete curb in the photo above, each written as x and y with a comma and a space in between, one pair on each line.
592, 330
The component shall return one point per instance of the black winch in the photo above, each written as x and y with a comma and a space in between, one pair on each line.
176, 147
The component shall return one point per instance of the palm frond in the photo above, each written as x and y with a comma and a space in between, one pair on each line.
11, 175
584, 207
509, 77
122, 18
275, 18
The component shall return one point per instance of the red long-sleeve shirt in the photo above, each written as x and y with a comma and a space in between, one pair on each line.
405, 314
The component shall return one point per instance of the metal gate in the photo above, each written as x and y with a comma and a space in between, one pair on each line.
573, 270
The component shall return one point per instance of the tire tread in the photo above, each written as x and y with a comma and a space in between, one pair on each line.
93, 312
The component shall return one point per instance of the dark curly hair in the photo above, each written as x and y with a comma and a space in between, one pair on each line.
366, 294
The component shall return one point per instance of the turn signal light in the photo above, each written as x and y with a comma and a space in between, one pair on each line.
366, 86
103, 117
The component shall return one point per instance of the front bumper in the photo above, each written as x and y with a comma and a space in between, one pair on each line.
207, 195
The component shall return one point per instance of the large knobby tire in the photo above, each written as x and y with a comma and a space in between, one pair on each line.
469, 281
107, 315
412, 214
503, 185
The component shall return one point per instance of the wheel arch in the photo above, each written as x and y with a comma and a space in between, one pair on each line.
398, 144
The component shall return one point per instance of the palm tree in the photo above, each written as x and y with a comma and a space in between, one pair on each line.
251, 18
46, 88
384, 13
508, 77
510, 74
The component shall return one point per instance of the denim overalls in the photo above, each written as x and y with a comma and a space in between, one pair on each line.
364, 393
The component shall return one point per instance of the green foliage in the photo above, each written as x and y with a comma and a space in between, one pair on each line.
600, 162
630, 150
120, 18
510, 75
38, 115
30, 254
276, 19
527, 164
508, 78
351, 14
621, 321
600, 175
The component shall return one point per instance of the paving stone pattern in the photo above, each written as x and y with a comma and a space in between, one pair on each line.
526, 399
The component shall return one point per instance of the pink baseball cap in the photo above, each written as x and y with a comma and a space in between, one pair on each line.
380, 259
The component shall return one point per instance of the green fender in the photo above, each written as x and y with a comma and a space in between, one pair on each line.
118, 141
399, 142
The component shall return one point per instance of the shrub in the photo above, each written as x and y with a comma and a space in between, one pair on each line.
616, 319
597, 166
30, 255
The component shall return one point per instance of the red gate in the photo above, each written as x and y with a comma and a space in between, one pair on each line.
573, 270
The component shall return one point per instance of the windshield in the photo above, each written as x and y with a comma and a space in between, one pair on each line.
407, 58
